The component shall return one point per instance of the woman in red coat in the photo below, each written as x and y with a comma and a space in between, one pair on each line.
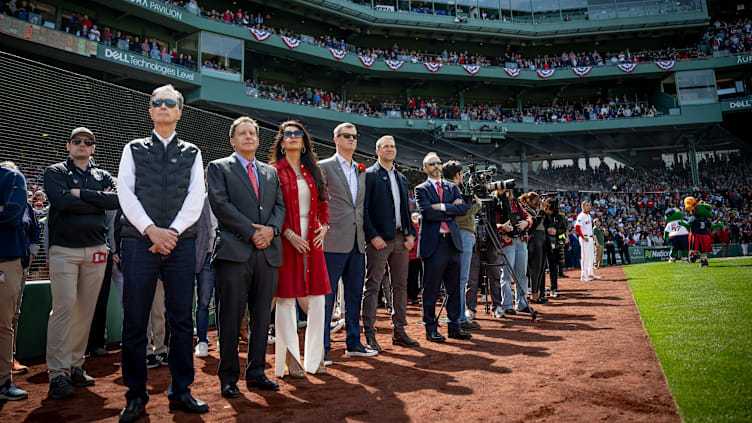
302, 276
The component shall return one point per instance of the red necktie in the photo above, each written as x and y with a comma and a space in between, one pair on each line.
440, 190
252, 177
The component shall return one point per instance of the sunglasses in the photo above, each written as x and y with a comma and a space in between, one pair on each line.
170, 103
86, 141
289, 134
348, 136
436, 163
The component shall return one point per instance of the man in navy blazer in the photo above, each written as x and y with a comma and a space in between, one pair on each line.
391, 235
440, 245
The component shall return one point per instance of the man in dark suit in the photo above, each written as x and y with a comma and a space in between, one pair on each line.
345, 245
390, 235
246, 199
440, 245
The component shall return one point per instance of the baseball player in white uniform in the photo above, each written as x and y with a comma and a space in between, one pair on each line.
584, 227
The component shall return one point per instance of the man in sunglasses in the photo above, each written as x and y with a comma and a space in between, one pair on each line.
161, 190
79, 193
344, 249
440, 245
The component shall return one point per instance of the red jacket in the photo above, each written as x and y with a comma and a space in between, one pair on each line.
296, 278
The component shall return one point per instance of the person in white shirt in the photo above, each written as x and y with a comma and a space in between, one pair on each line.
161, 192
584, 228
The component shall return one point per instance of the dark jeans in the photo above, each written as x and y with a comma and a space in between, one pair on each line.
493, 277
351, 267
624, 251
611, 255
140, 272
204, 292
414, 275
249, 284
98, 331
553, 270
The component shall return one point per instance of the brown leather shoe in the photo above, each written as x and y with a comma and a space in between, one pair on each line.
19, 369
401, 339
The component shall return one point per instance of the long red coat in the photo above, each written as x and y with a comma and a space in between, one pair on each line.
295, 278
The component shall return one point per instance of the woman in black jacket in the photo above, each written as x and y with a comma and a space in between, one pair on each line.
536, 250
556, 231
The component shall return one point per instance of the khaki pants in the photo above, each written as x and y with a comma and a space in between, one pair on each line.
17, 316
155, 331
598, 255
75, 281
11, 274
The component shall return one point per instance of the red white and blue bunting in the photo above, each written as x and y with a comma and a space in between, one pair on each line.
627, 67
367, 61
338, 54
394, 64
666, 64
260, 34
433, 67
545, 73
290, 42
582, 71
471, 69
514, 73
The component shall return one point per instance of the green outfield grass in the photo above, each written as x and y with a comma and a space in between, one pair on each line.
700, 324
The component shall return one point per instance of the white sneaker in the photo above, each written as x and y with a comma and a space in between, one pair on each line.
585, 279
554, 293
594, 277
202, 349
499, 313
335, 326
469, 315
270, 340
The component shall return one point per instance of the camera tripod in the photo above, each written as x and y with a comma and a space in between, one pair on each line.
489, 238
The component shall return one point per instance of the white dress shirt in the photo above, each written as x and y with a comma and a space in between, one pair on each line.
134, 210
351, 175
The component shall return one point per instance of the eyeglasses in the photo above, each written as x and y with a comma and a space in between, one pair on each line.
170, 103
86, 141
348, 136
436, 163
289, 134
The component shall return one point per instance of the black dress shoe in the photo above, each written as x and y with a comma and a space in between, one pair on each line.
134, 408
401, 339
230, 390
435, 337
261, 382
188, 404
459, 334
372, 344
510, 312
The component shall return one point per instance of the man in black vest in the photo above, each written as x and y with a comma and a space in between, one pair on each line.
390, 234
161, 190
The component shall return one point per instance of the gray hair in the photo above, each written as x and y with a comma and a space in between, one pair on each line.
171, 89
383, 139
241, 120
341, 126
9, 165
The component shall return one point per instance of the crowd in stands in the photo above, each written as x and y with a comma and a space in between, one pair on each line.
734, 37
419, 108
83, 26
633, 201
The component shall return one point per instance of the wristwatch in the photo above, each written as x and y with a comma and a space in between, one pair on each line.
276, 231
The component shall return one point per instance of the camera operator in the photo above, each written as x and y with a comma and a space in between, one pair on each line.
556, 231
536, 262
452, 171
514, 245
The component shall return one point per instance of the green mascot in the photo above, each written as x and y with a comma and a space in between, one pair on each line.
699, 228
676, 235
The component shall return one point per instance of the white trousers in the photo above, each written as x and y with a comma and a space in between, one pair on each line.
587, 256
286, 333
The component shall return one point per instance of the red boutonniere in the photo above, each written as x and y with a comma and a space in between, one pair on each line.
361, 167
